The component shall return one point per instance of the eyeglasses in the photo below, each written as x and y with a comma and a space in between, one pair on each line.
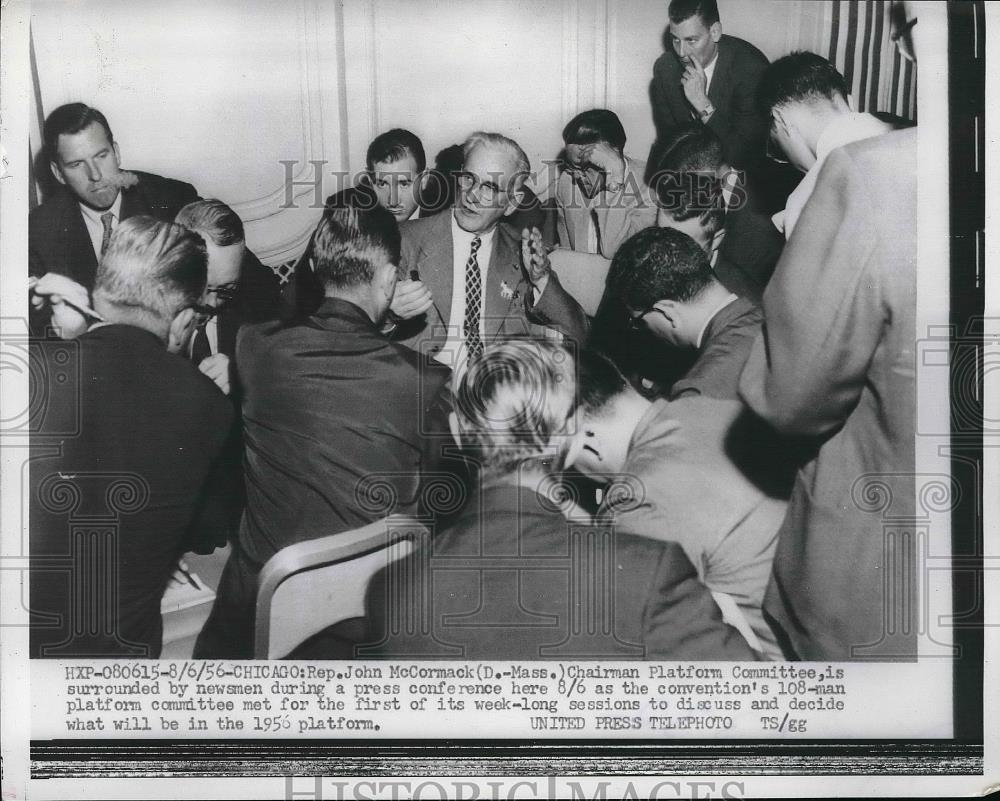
224, 293
774, 150
635, 318
488, 191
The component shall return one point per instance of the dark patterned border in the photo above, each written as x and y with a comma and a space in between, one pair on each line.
167, 758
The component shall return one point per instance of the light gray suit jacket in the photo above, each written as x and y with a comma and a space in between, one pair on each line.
508, 310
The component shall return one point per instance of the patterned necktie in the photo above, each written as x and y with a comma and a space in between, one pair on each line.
201, 349
473, 301
106, 219
597, 229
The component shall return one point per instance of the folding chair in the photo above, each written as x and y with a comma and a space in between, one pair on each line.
308, 586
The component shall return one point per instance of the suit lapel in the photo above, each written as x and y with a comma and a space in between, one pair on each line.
720, 78
435, 265
505, 268
133, 202
79, 249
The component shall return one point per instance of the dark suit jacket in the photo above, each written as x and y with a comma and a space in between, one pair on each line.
725, 346
427, 248
837, 362
505, 582
734, 84
257, 301
748, 253
330, 405
57, 236
142, 465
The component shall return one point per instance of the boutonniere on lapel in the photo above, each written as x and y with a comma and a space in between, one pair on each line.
507, 293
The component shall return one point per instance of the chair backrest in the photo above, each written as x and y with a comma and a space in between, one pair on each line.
582, 275
310, 585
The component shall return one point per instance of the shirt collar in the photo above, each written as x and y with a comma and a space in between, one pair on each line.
701, 334
95, 216
460, 235
847, 128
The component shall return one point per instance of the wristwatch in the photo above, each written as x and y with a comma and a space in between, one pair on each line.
706, 112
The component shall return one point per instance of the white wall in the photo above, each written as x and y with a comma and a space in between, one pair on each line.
218, 93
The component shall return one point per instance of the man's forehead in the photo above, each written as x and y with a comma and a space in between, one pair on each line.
489, 161
406, 164
692, 26
224, 261
93, 137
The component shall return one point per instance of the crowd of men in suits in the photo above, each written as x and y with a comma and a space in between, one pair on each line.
706, 428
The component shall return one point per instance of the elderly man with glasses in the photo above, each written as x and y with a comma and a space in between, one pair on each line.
467, 278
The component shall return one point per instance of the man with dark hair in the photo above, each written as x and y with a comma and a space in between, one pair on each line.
699, 193
395, 178
149, 436
836, 362
665, 281
600, 195
466, 279
240, 289
517, 596
692, 480
328, 400
807, 102
709, 77
68, 233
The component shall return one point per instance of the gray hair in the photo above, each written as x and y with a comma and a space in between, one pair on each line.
495, 141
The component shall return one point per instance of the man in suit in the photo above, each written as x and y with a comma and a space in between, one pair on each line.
709, 77
665, 282
501, 579
687, 472
395, 178
699, 193
467, 280
240, 289
600, 194
806, 100
836, 362
329, 403
150, 433
68, 233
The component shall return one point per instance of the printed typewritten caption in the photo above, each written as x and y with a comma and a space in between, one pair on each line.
484, 699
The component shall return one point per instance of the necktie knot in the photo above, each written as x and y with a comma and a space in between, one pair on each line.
476, 242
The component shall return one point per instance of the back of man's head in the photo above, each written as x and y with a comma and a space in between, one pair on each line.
150, 273
686, 179
214, 220
351, 243
707, 10
513, 402
71, 118
395, 145
595, 125
800, 77
659, 264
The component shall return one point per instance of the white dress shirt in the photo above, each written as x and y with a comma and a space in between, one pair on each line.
212, 332
842, 131
92, 219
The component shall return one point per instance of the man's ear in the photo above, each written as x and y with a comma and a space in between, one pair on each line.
57, 172
717, 240
118, 155
181, 328
456, 432
669, 309
423, 179
514, 202
715, 31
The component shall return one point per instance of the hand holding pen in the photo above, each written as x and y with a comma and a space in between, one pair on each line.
70, 302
